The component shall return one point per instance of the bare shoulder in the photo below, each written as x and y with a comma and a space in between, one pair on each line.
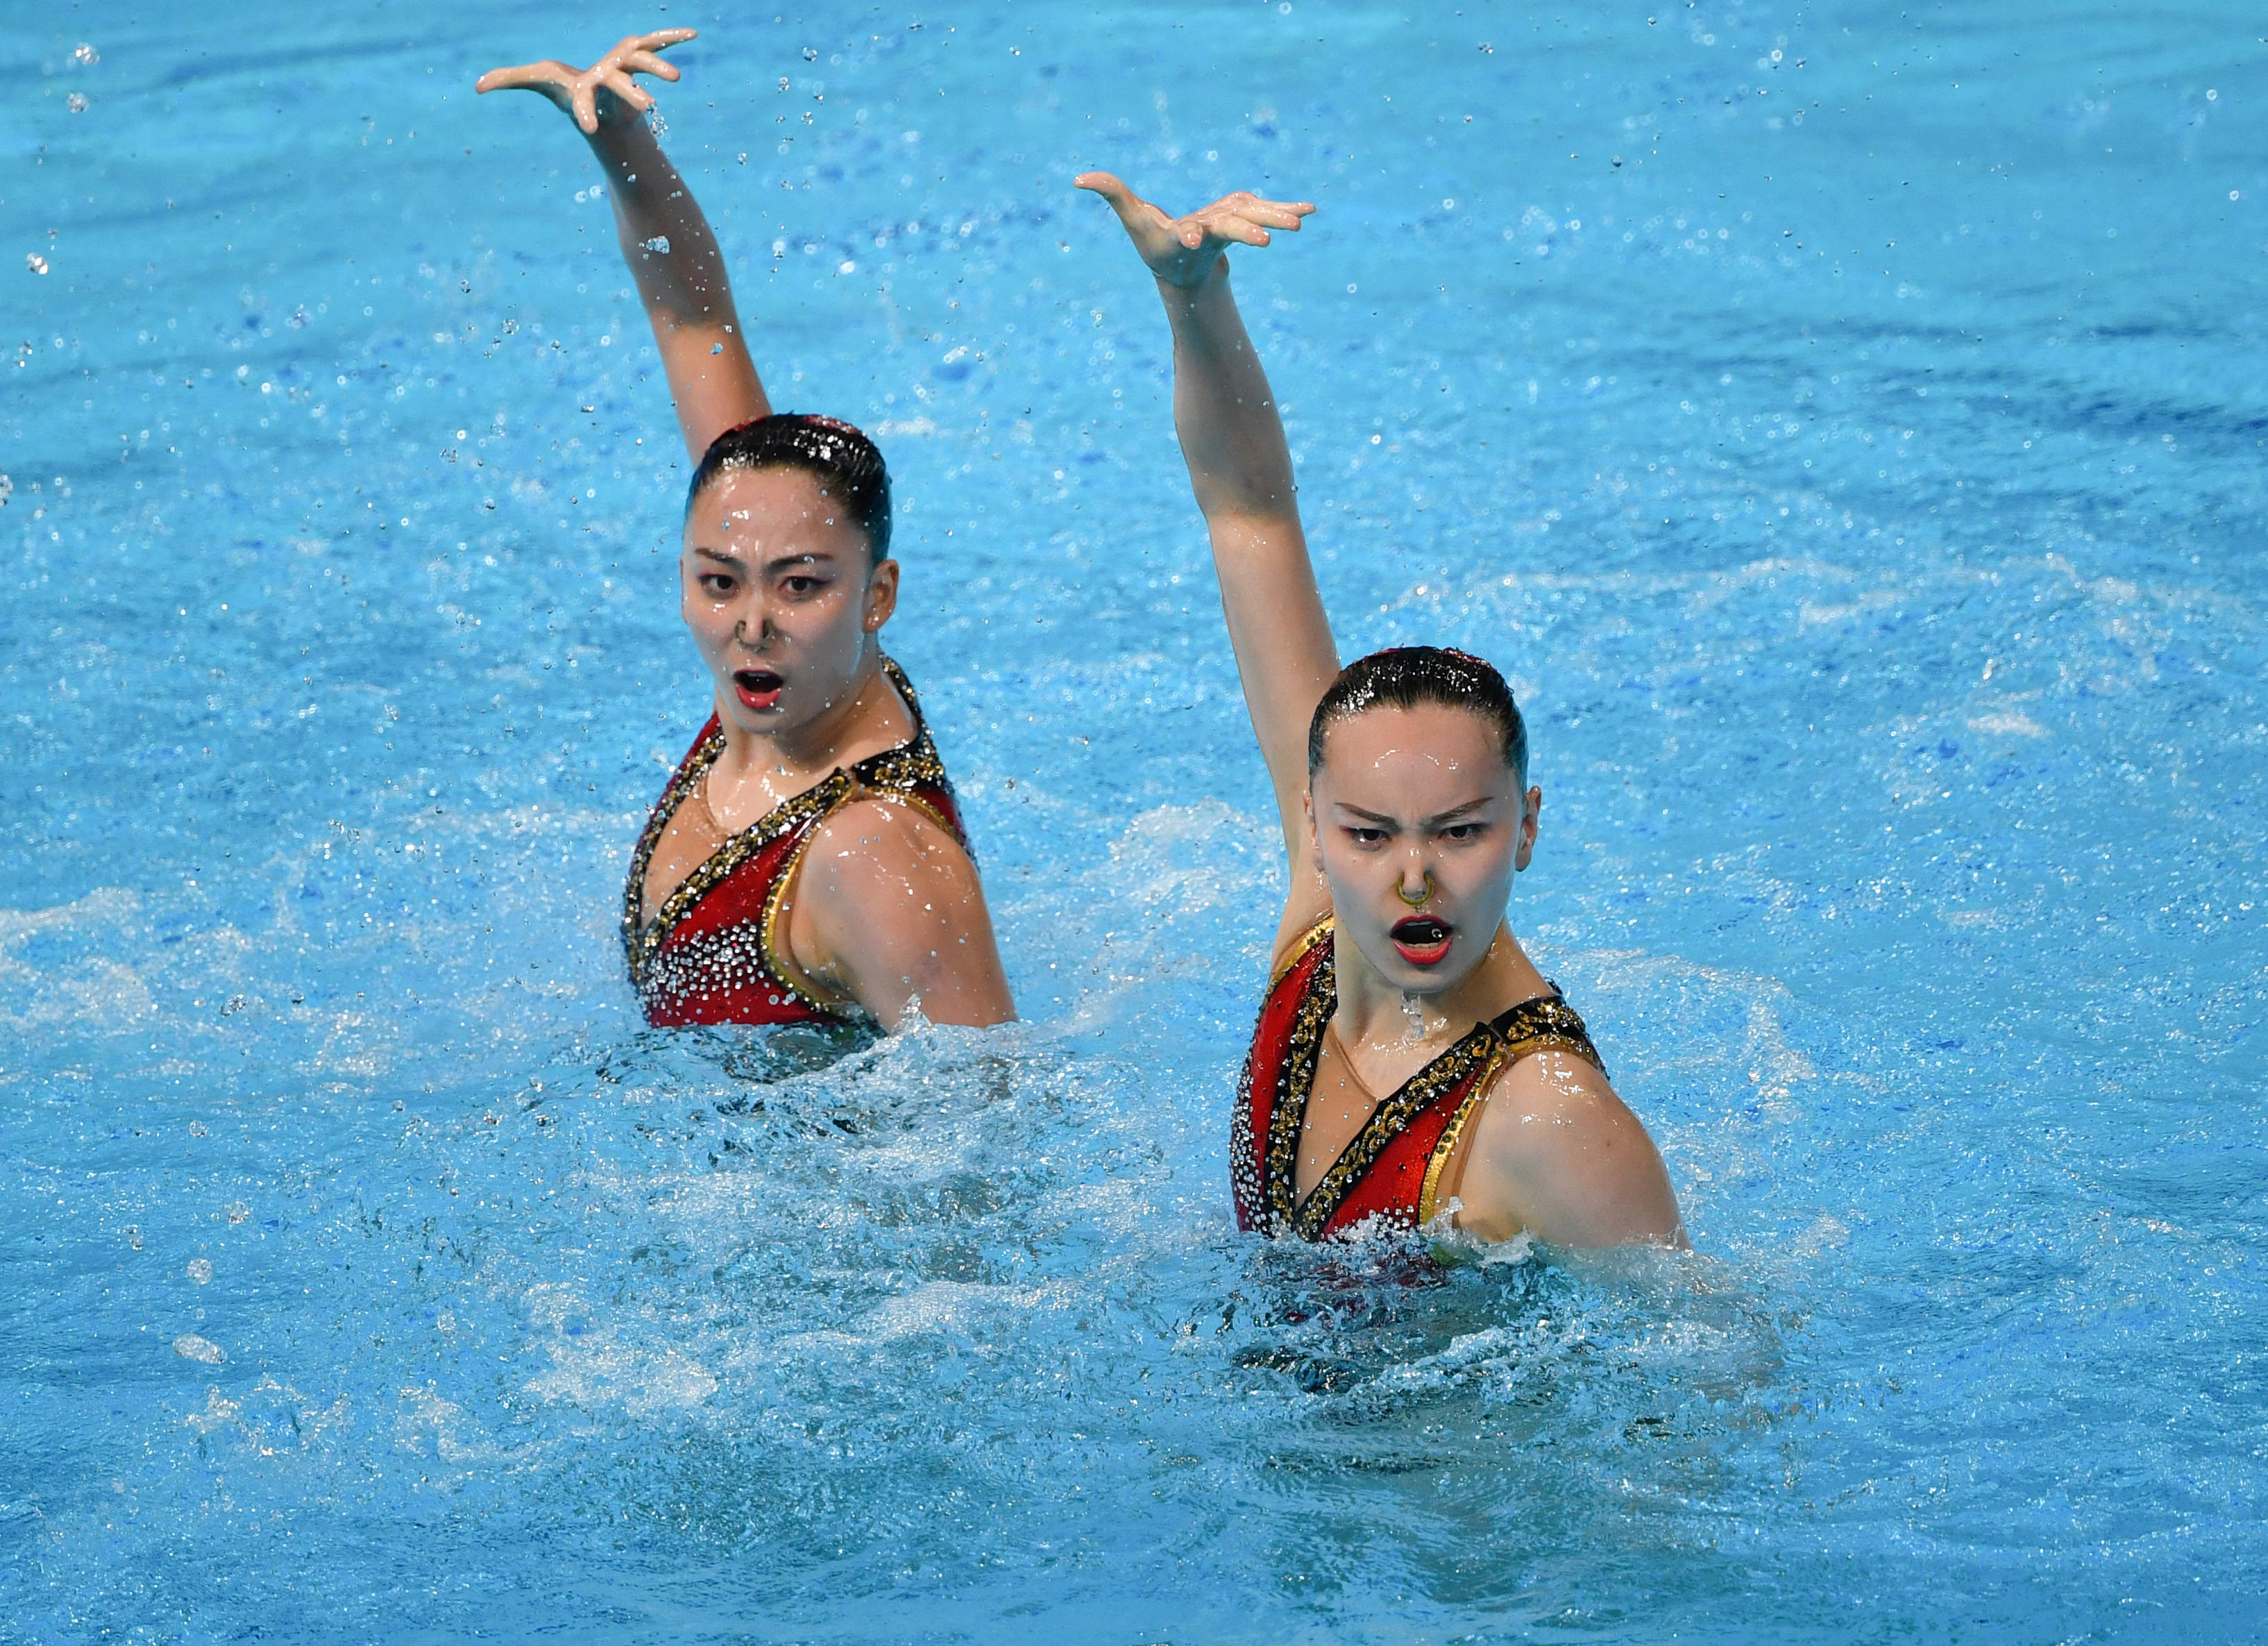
881, 859
1557, 1152
887, 908
887, 830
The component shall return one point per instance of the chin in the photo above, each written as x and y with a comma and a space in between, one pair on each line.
1425, 984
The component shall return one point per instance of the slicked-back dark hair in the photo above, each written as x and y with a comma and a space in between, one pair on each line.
846, 464
1404, 677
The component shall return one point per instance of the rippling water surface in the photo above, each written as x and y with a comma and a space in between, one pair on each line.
1846, 427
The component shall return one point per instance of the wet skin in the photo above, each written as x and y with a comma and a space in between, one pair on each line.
1412, 821
1417, 827
1416, 821
785, 604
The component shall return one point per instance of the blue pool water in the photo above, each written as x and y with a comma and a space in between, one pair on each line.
1862, 481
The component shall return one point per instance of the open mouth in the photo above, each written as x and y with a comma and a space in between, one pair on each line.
1422, 940
758, 689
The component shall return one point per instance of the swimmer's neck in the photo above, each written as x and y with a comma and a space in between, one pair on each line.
862, 720
1374, 1012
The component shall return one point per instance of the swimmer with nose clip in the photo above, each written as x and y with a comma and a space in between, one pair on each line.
806, 862
1410, 1068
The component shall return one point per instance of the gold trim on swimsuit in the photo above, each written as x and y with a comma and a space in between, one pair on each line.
1297, 952
1429, 1192
1551, 1024
889, 774
1542, 1022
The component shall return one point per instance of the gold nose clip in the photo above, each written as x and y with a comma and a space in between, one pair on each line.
1424, 891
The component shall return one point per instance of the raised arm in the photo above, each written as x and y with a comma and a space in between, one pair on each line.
1241, 471
665, 240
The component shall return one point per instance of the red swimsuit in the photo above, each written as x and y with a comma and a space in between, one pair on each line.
716, 949
1392, 1169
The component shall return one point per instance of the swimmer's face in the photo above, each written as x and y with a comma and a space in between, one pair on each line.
782, 597
1419, 825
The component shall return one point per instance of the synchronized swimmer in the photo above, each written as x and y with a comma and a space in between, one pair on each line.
806, 861
1411, 1069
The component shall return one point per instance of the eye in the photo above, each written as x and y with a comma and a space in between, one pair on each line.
1464, 830
718, 584
1366, 836
799, 586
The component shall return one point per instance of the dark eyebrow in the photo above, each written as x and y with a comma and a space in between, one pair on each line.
721, 556
819, 557
1435, 821
1438, 820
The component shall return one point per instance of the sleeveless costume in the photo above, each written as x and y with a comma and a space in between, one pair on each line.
715, 952
1392, 1169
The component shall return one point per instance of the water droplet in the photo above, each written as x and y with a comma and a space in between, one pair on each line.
36, 263
200, 1269
189, 1346
77, 102
87, 55
238, 1211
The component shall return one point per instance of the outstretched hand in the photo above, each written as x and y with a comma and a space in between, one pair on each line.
576, 90
1182, 251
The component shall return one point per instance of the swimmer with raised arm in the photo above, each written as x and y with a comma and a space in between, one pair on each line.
1411, 1067
806, 862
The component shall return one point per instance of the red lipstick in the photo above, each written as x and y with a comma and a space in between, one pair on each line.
1422, 940
758, 689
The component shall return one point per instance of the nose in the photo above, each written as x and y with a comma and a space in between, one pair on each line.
753, 632
1421, 893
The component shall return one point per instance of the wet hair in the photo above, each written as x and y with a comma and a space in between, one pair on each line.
1404, 677
844, 462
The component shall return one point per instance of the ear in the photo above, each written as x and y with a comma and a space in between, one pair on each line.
1315, 836
881, 595
1531, 813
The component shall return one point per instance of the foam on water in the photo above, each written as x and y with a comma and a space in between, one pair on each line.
1873, 534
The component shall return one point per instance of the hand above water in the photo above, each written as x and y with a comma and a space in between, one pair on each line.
1182, 251
576, 90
